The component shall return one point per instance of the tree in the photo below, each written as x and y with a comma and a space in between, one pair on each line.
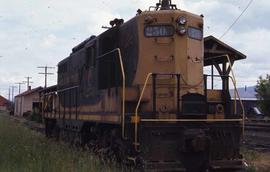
263, 94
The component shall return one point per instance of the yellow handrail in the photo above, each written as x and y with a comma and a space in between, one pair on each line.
123, 91
137, 120
190, 120
123, 87
236, 91
136, 110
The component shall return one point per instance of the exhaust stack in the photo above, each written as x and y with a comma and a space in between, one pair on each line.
165, 5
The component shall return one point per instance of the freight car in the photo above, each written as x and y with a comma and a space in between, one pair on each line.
138, 93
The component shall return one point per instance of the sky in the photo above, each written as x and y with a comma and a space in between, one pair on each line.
42, 32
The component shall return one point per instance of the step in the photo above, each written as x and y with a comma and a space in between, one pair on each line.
164, 166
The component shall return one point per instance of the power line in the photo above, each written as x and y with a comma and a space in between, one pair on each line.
46, 73
236, 20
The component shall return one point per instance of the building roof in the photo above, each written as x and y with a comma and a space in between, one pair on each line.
28, 92
245, 93
3, 101
215, 51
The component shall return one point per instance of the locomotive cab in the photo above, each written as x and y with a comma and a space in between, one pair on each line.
171, 50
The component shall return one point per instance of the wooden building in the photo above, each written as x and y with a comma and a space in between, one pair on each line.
4, 103
27, 101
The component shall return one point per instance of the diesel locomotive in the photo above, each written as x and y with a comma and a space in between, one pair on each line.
138, 91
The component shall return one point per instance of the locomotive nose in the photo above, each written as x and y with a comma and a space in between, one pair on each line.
195, 149
195, 140
200, 143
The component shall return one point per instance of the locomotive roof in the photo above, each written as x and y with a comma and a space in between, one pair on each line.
49, 89
215, 51
91, 39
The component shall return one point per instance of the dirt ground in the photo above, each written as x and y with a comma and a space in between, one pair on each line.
257, 161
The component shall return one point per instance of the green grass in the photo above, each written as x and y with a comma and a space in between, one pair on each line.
24, 150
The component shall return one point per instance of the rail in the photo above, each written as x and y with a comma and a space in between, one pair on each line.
67, 89
123, 86
63, 91
136, 111
236, 91
191, 120
137, 119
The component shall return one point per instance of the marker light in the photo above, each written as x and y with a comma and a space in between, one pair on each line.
182, 30
182, 20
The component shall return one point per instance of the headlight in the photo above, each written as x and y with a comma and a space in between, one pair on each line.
182, 20
182, 30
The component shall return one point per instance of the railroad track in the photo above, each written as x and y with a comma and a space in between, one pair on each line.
257, 135
29, 124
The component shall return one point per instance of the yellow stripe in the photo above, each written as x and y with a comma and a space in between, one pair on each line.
104, 118
107, 118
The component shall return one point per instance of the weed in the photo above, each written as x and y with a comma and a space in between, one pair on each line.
24, 150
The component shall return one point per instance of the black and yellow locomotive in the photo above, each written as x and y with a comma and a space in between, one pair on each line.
139, 89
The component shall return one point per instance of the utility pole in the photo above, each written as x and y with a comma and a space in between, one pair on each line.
9, 94
12, 93
46, 73
28, 81
20, 83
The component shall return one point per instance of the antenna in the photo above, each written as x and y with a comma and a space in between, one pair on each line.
106, 27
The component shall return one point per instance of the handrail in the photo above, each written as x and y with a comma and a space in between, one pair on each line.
228, 76
136, 110
179, 120
66, 89
123, 86
190, 120
236, 91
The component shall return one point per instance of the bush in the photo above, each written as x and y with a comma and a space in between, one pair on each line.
263, 94
32, 116
36, 117
27, 114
